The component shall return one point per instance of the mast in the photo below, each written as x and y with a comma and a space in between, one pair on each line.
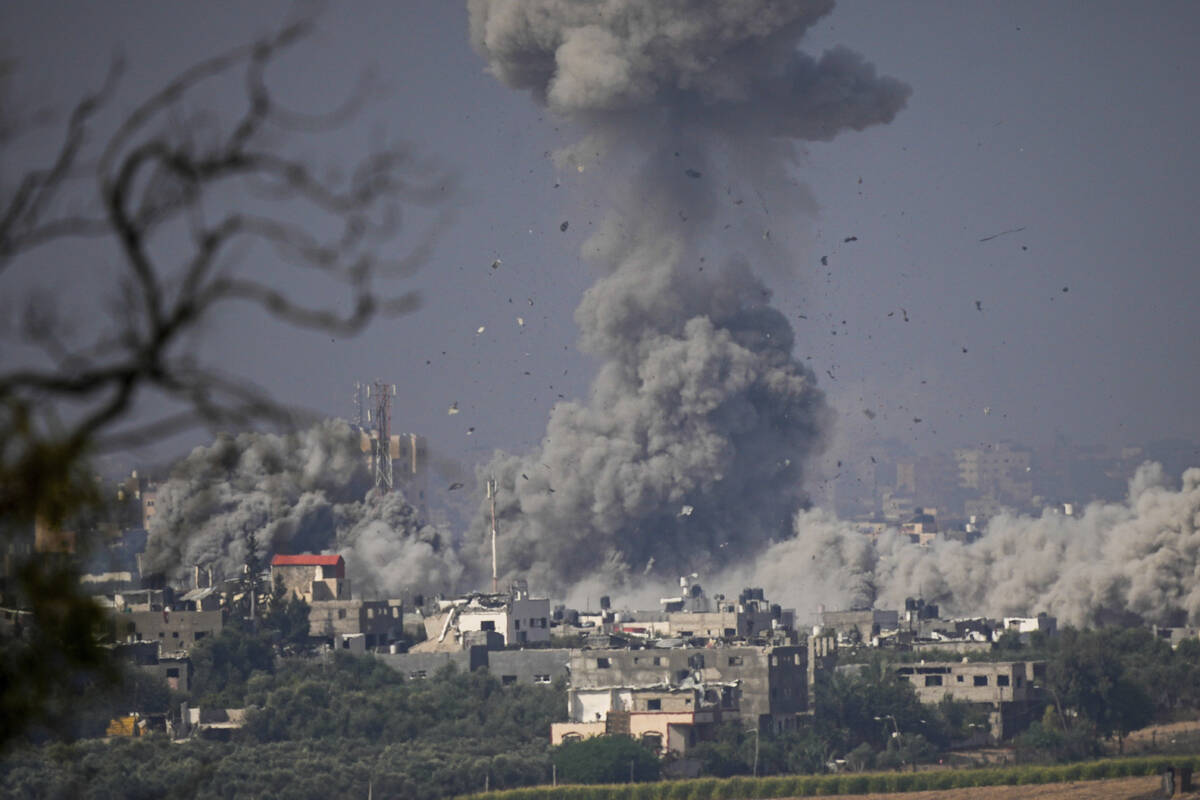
491, 493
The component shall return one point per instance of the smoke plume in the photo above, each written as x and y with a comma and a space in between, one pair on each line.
303, 492
1140, 556
688, 451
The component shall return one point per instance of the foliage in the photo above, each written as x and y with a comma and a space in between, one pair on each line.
605, 759
122, 183
225, 663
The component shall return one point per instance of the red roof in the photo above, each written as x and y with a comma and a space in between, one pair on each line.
306, 560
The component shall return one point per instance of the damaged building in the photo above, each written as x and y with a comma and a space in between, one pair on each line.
518, 618
1010, 691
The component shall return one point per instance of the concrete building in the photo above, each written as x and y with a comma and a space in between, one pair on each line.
175, 631
379, 621
1009, 689
860, 624
667, 719
769, 685
312, 577
518, 617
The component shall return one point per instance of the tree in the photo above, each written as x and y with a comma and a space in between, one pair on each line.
178, 196
605, 759
286, 618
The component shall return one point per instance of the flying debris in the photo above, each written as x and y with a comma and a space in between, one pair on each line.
480, 330
979, 305
453, 409
691, 173
849, 239
916, 419
453, 486
566, 224
824, 261
1002, 233
869, 413
496, 264
905, 313
470, 431
676, 347
987, 410
686, 511
520, 322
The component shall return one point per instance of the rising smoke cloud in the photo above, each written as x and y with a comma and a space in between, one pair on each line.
689, 449
1140, 556
304, 492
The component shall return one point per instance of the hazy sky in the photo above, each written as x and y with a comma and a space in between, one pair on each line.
1065, 130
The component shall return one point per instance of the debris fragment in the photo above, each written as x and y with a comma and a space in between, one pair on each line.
1002, 233
964, 349
979, 305
1064, 290
824, 261
453, 409
849, 239
480, 330
523, 475
470, 431
686, 511
916, 419
905, 313
564, 226
496, 264
869, 413
830, 374
453, 486
692, 173
987, 410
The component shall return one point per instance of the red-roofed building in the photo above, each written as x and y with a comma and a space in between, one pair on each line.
312, 577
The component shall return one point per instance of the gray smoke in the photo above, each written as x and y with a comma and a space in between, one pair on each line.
689, 448
1140, 556
303, 492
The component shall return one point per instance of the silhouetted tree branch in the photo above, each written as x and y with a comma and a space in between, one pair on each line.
183, 202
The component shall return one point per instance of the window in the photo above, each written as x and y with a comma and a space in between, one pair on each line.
516, 624
341, 613
487, 625
735, 661
959, 678
1019, 681
651, 740
1002, 680
696, 661
508, 680
730, 633
419, 674
174, 634
981, 680
172, 672
602, 663
654, 705
541, 678
200, 635
933, 680
571, 737
658, 661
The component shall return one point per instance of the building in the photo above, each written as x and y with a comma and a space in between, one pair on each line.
311, 577
862, 624
518, 617
1010, 690
175, 631
380, 622
667, 719
767, 685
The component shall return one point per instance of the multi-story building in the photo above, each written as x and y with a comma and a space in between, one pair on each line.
1010, 690
518, 617
312, 577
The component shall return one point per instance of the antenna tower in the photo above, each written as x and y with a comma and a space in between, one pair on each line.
384, 392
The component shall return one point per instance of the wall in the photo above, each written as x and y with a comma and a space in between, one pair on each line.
174, 630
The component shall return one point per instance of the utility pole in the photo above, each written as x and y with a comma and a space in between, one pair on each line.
491, 493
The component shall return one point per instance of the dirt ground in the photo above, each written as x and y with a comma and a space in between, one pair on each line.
1116, 789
